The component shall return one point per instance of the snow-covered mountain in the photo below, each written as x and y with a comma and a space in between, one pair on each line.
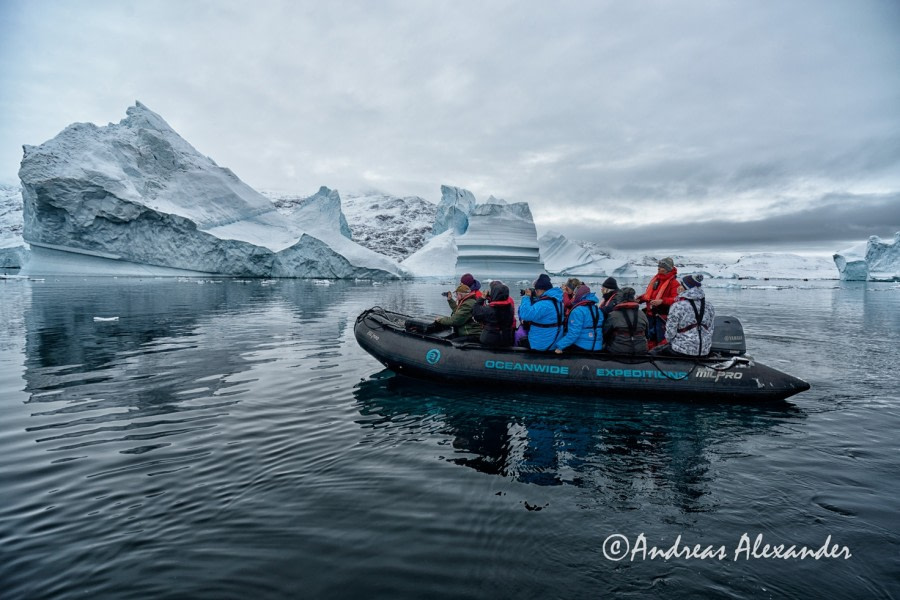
395, 227
135, 195
389, 225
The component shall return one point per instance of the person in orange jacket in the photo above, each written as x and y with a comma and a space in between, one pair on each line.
660, 295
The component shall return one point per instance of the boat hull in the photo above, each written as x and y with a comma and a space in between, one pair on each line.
426, 356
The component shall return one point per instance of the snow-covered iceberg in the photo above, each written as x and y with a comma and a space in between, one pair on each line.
876, 260
104, 199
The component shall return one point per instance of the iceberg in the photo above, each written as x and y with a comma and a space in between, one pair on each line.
453, 210
437, 258
874, 260
565, 257
851, 263
135, 196
12, 247
490, 240
883, 258
321, 211
500, 240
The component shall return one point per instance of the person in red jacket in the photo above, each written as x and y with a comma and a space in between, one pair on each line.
660, 295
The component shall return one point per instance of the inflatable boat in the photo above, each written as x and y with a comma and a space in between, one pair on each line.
411, 347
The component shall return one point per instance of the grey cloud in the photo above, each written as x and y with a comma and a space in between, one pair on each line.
838, 218
644, 105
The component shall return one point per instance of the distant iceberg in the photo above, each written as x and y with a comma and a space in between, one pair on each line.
565, 257
875, 260
134, 196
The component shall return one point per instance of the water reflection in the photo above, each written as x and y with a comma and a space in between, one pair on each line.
626, 451
174, 359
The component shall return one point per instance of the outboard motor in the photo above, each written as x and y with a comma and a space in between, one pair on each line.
728, 337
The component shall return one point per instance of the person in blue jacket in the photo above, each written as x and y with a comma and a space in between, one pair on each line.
585, 323
542, 313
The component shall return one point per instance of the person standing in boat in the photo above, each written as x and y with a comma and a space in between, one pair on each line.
660, 295
584, 325
497, 314
465, 328
542, 313
610, 293
625, 328
689, 329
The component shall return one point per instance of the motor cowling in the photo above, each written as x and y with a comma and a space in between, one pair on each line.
728, 337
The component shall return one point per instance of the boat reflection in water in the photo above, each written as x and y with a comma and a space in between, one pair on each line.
627, 451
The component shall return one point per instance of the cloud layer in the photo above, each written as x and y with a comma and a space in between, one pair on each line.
605, 116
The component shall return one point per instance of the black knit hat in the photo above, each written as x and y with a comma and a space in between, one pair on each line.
543, 282
610, 283
691, 281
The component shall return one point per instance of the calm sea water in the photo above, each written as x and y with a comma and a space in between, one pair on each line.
231, 440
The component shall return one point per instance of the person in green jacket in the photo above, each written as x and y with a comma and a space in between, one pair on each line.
465, 327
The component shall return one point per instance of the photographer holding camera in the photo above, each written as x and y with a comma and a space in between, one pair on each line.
541, 311
497, 313
462, 302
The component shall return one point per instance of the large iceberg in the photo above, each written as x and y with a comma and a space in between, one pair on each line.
134, 196
875, 260
501, 240
494, 239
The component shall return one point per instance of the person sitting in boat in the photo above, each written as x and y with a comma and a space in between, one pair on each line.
542, 313
497, 314
689, 329
625, 328
584, 325
465, 328
469, 280
660, 295
568, 289
610, 294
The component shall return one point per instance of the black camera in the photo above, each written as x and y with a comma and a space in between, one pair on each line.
445, 294
522, 292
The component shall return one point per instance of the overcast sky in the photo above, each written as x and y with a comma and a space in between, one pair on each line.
639, 124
